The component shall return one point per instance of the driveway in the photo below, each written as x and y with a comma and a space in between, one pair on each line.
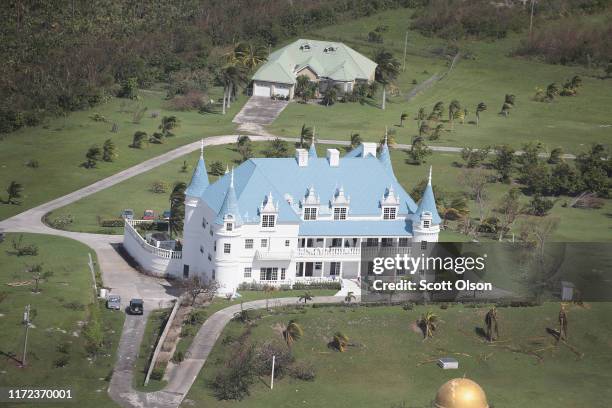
258, 112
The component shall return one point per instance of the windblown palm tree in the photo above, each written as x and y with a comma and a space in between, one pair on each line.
355, 140
428, 324
233, 77
292, 332
305, 135
340, 342
14, 191
491, 324
349, 298
387, 69
453, 108
250, 55
305, 297
480, 108
562, 324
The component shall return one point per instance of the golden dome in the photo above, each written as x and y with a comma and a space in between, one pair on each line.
461, 393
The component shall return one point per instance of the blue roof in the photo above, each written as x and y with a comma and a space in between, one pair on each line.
428, 203
385, 159
363, 180
229, 207
352, 228
199, 179
312, 152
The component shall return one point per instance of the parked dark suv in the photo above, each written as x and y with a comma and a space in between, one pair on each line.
136, 307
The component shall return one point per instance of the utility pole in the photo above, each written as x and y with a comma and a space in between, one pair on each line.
26, 322
272, 377
405, 49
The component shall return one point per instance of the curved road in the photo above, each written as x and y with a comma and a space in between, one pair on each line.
124, 280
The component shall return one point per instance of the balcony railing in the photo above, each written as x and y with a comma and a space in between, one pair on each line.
160, 252
273, 255
328, 252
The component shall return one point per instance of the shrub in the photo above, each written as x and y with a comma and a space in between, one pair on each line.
408, 306
33, 164
234, 381
263, 359
302, 371
178, 357
111, 222
64, 347
159, 187
158, 373
62, 361
22, 249
317, 285
74, 305
189, 101
61, 222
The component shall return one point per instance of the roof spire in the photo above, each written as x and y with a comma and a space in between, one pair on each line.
232, 178
429, 179
202, 147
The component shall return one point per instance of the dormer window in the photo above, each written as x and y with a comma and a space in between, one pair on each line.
389, 213
426, 223
310, 213
268, 221
340, 213
229, 226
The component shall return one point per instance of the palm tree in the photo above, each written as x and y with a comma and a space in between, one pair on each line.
421, 115
424, 129
138, 139
492, 326
428, 324
305, 134
552, 91
330, 96
340, 342
480, 108
349, 298
233, 76
167, 124
177, 208
108, 151
305, 297
562, 324
437, 111
403, 117
14, 191
453, 108
437, 132
250, 55
387, 69
292, 332
355, 140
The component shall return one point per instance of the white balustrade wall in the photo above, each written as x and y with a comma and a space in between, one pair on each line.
155, 261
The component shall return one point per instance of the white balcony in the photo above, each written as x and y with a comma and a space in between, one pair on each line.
263, 255
328, 252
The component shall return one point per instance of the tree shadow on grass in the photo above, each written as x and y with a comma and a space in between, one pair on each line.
480, 332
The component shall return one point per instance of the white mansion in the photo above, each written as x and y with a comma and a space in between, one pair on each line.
284, 220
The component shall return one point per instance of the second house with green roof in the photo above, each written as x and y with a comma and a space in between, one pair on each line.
327, 64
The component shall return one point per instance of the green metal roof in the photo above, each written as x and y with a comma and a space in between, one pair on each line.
327, 59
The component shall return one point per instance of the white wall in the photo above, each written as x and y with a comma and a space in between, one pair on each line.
148, 259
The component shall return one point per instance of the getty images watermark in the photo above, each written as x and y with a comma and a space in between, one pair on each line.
401, 265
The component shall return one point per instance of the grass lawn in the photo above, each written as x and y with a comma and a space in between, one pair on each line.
61, 308
154, 328
60, 145
188, 332
391, 365
575, 225
487, 74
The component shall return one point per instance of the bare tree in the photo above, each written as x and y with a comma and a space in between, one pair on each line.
509, 209
197, 290
475, 180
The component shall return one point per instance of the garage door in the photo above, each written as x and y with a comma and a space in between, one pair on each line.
261, 90
281, 90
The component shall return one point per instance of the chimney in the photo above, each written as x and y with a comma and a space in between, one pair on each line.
301, 155
369, 148
333, 156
